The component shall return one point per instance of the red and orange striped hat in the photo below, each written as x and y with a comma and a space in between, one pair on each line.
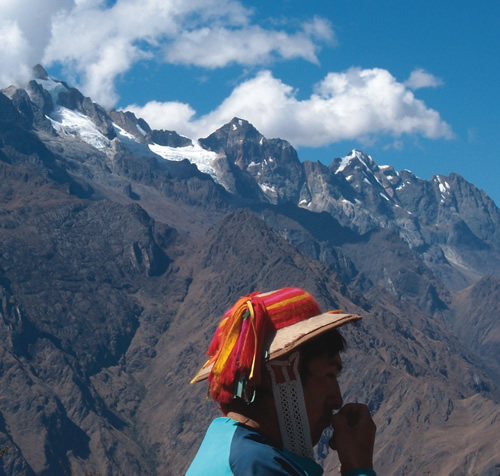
262, 326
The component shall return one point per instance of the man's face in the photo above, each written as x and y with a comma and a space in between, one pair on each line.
322, 393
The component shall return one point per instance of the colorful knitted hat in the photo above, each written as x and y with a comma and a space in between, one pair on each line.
261, 326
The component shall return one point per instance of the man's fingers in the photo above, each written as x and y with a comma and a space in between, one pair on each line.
339, 422
355, 413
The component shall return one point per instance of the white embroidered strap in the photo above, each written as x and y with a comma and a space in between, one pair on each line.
290, 405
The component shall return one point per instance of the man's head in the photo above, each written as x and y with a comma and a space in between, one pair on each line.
284, 333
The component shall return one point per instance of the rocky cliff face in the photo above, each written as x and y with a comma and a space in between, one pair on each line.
272, 164
118, 256
452, 225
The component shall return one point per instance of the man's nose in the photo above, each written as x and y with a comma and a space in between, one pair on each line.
336, 395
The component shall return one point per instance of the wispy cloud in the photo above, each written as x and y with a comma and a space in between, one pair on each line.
348, 105
252, 45
419, 78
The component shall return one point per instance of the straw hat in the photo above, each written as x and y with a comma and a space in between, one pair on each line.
262, 325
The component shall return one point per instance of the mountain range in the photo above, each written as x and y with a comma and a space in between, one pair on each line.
122, 246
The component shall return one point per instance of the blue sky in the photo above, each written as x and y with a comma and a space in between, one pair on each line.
413, 84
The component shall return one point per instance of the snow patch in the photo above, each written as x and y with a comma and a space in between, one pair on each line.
197, 155
378, 181
140, 129
403, 185
129, 141
123, 133
267, 188
76, 124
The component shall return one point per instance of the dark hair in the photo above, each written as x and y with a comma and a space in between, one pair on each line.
330, 344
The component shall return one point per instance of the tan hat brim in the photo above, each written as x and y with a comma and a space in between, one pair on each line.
284, 340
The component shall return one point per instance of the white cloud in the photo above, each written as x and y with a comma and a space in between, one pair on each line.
320, 29
420, 78
251, 45
353, 104
24, 33
14, 46
96, 43
217, 47
176, 115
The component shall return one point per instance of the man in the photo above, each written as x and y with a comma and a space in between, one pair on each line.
272, 369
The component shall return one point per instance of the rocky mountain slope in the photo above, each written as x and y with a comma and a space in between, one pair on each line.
121, 246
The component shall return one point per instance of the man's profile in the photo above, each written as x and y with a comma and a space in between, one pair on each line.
272, 369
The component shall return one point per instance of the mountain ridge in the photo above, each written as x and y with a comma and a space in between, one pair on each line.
117, 261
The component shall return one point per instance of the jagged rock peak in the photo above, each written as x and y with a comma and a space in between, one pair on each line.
242, 126
230, 134
168, 138
39, 72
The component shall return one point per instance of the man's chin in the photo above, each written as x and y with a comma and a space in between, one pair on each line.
325, 423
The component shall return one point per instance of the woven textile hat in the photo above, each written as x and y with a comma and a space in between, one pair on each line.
262, 326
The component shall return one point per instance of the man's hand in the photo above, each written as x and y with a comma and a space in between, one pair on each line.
354, 436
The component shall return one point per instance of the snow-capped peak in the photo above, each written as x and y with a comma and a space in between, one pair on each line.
355, 154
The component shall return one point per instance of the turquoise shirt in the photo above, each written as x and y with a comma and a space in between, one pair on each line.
233, 449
